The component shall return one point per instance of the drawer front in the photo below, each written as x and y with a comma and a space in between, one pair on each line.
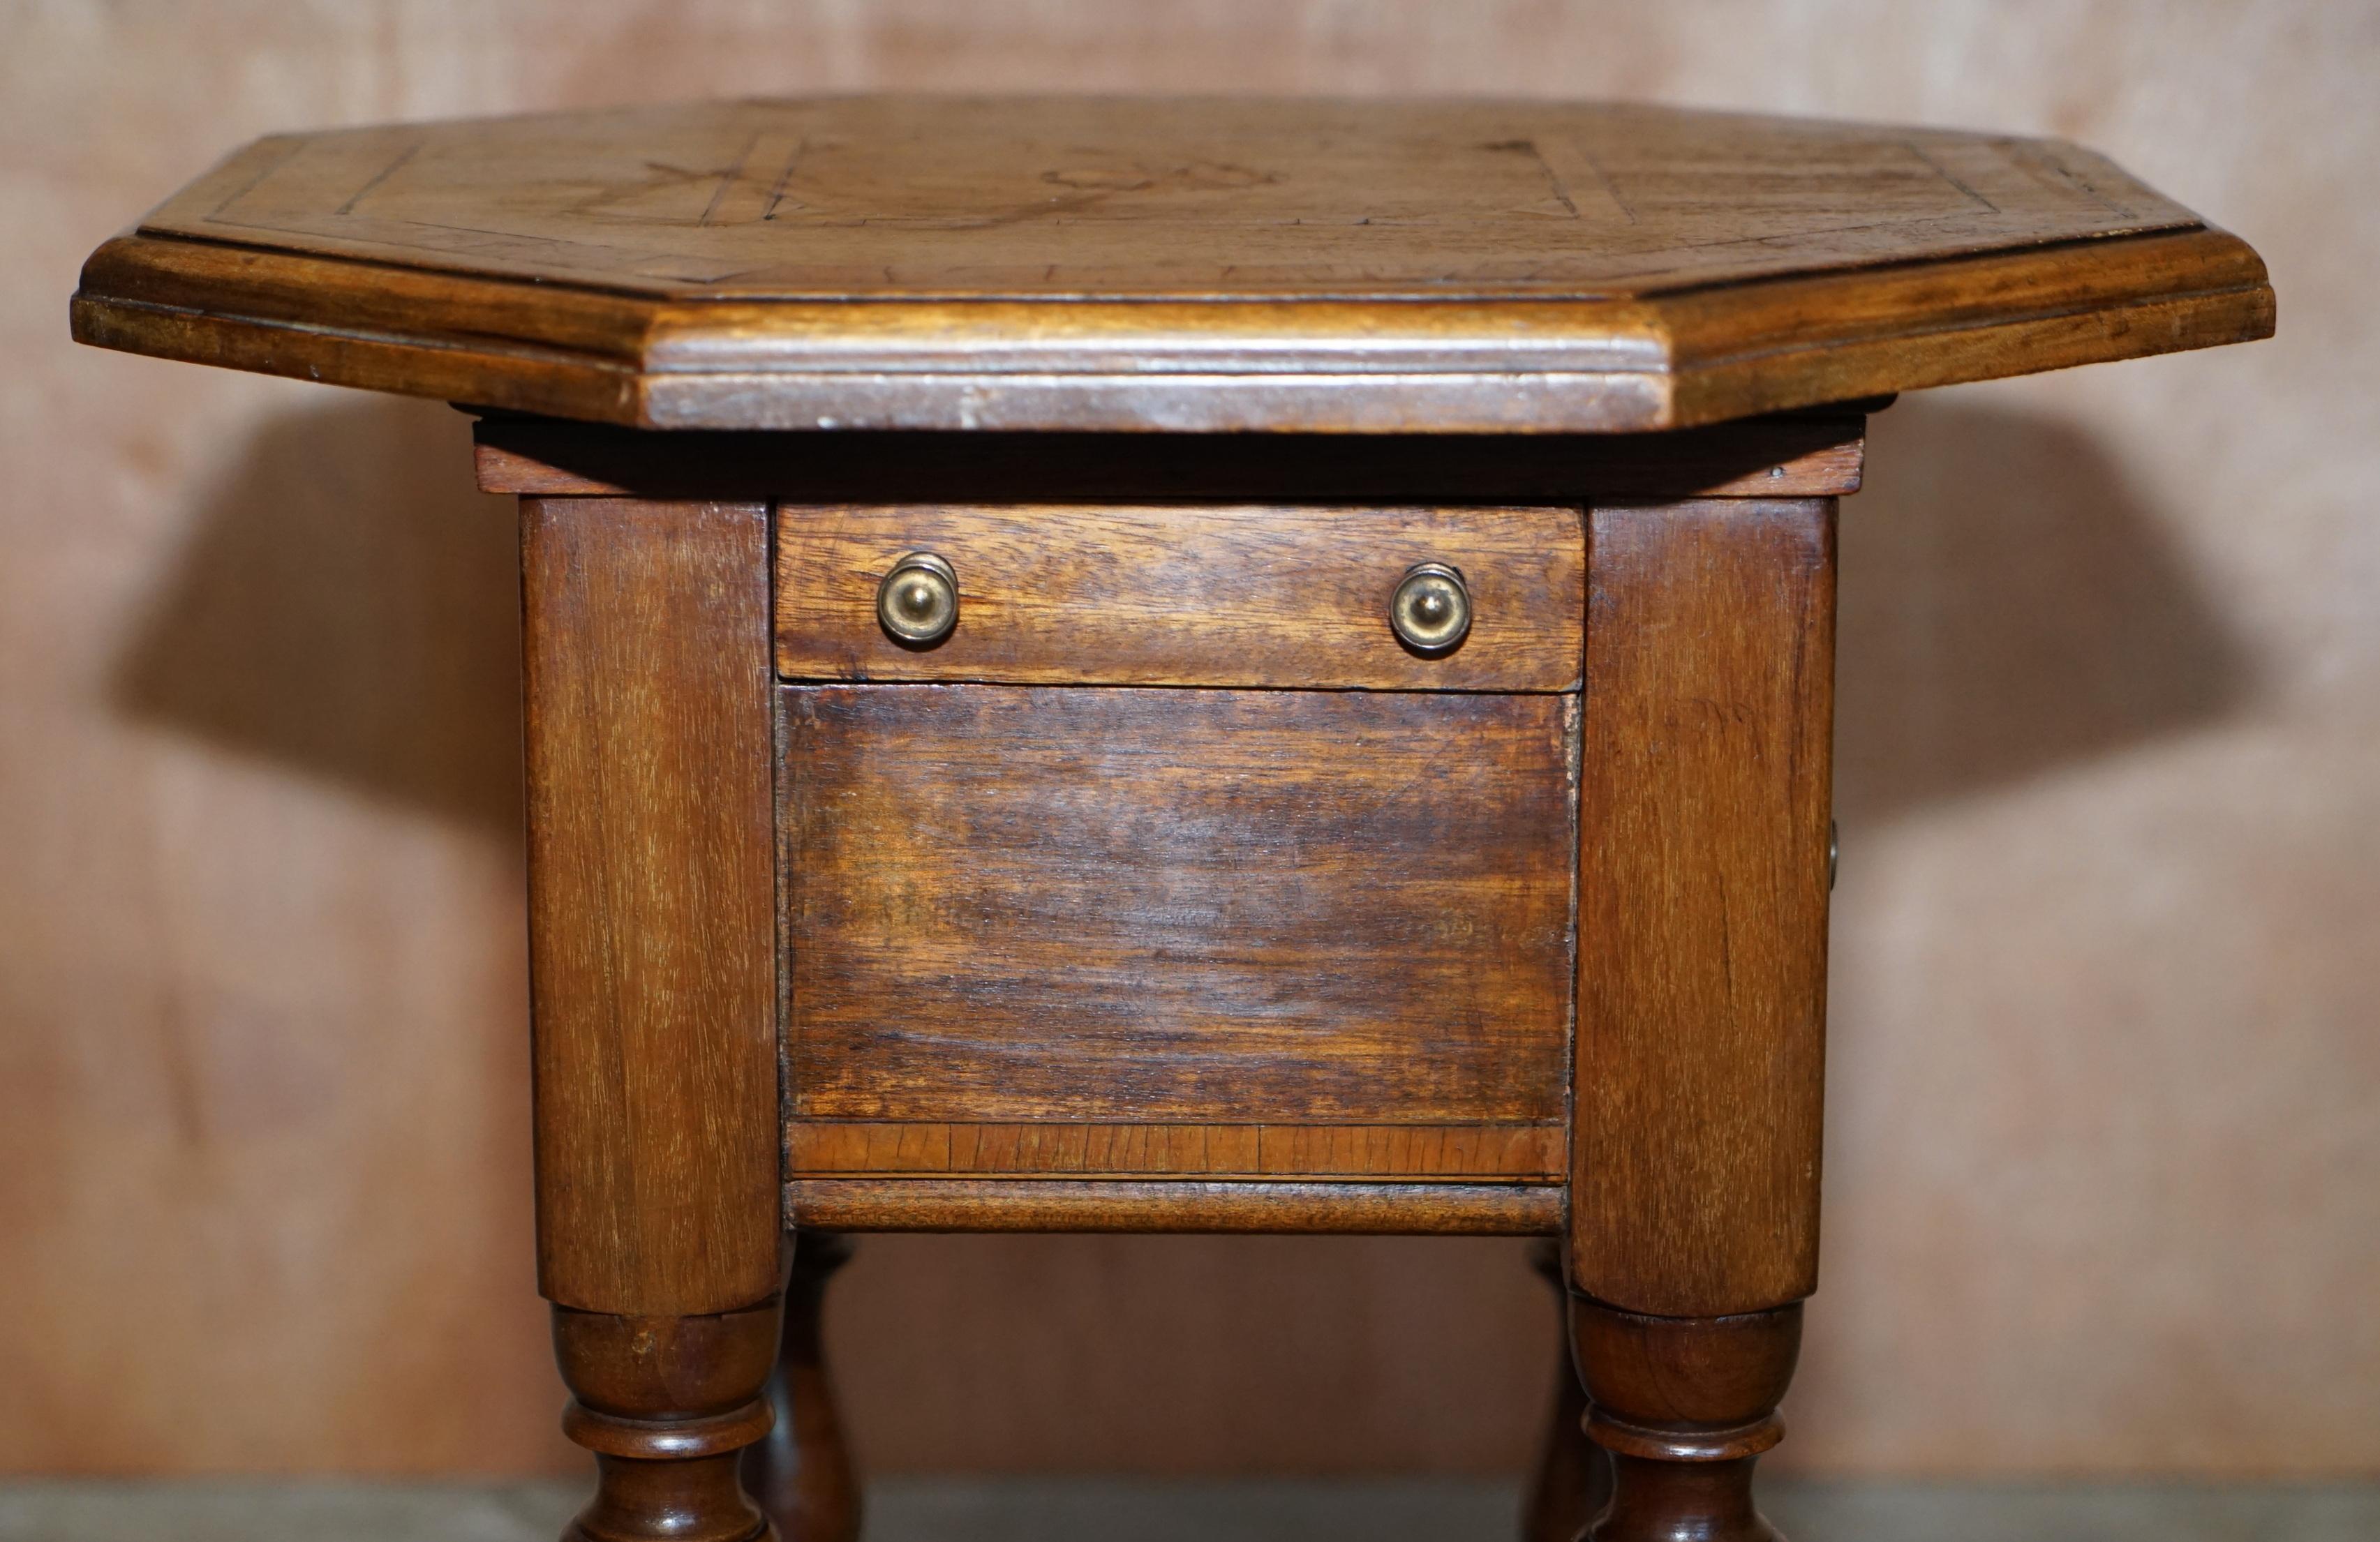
1130, 932
1253, 596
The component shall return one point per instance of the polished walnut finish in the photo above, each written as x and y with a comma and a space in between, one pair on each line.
1121, 932
652, 897
667, 1402
1190, 265
802, 1475
1685, 1407
651, 905
1572, 1479
1172, 595
1401, 805
1704, 793
1376, 1206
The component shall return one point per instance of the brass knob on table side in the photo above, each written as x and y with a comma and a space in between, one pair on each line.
919, 600
1431, 609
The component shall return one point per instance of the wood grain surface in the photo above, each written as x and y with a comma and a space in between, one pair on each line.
1188, 264
1704, 787
668, 1404
803, 1473
1179, 907
1571, 1480
652, 903
1253, 595
1187, 198
1684, 1406
819, 1148
1174, 1204
1781, 345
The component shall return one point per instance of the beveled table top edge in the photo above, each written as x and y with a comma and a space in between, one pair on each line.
1661, 360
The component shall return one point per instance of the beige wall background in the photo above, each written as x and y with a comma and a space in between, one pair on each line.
2103, 1173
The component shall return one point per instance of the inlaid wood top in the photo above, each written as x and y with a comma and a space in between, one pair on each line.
1218, 263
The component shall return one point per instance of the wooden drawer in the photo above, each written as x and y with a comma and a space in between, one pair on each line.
1183, 595
1153, 932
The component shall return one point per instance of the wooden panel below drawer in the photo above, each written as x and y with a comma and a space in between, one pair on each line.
1177, 907
820, 1148
1189, 595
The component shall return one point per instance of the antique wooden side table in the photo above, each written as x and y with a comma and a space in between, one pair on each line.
1141, 665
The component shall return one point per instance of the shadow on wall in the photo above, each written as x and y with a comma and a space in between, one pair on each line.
2008, 607
349, 605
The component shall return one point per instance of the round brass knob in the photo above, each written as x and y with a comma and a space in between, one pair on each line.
919, 600
1431, 609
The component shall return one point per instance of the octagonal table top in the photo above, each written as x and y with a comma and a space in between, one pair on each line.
1136, 263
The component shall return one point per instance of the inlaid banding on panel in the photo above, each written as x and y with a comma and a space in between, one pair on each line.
820, 1148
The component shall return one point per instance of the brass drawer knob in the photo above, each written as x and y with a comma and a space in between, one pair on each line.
919, 600
1431, 609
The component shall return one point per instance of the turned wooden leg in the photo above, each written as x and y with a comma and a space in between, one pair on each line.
667, 1405
1685, 1407
652, 979
1574, 1481
801, 1472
